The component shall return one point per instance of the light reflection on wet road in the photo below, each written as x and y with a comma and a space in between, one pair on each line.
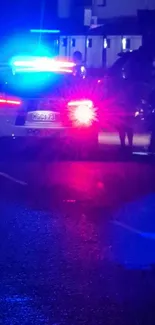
77, 243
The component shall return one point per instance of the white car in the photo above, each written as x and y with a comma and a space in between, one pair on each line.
40, 99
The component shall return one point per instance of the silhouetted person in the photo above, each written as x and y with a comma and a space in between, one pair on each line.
77, 57
126, 127
125, 111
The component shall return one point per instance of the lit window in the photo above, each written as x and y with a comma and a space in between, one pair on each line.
64, 42
125, 43
128, 43
56, 42
73, 42
106, 43
89, 42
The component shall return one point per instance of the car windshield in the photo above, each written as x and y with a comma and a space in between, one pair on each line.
38, 84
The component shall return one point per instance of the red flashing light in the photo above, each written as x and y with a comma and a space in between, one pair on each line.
81, 103
9, 101
82, 112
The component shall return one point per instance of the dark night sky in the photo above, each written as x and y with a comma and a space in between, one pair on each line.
17, 18
26, 14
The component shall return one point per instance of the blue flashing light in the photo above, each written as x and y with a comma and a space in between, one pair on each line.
30, 61
45, 31
40, 64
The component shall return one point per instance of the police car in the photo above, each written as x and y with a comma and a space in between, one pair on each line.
45, 98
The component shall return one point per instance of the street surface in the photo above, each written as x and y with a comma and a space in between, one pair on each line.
77, 241
141, 140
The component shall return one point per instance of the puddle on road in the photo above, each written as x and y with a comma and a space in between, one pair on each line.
100, 184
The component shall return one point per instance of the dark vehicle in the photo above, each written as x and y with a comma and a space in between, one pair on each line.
130, 81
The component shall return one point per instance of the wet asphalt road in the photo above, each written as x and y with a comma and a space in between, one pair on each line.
77, 242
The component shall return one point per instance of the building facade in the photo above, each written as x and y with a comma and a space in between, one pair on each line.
107, 9
98, 51
101, 10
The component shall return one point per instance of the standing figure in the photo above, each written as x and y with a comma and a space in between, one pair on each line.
125, 111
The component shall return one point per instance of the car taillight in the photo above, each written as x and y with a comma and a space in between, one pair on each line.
9, 101
82, 112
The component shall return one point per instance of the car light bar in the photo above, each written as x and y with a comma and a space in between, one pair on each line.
81, 103
9, 101
27, 70
38, 64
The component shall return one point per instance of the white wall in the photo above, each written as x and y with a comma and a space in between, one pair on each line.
115, 8
63, 51
136, 42
116, 47
80, 41
95, 52
113, 50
